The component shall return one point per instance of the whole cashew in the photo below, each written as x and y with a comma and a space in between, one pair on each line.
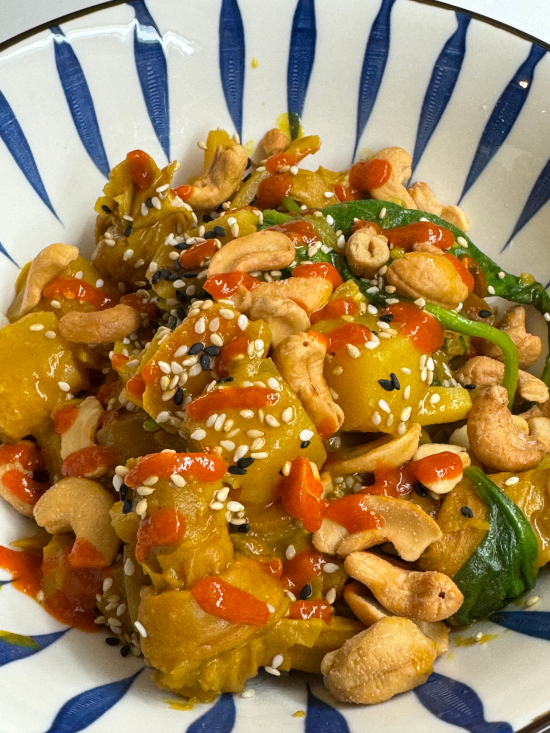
274, 141
82, 506
401, 171
539, 428
366, 252
442, 486
493, 437
264, 250
46, 266
486, 372
529, 347
221, 178
300, 360
430, 276
420, 596
426, 201
82, 432
406, 526
386, 451
311, 293
99, 327
390, 657
283, 316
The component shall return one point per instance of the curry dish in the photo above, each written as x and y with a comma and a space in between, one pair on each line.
274, 423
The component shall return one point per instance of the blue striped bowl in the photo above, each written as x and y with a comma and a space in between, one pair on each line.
470, 101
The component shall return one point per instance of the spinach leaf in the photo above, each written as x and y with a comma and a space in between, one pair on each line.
503, 564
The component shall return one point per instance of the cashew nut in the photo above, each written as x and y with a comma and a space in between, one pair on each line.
82, 506
539, 428
283, 316
300, 360
274, 141
46, 266
386, 451
366, 252
529, 347
220, 179
401, 171
425, 200
406, 526
265, 250
311, 293
390, 657
18, 504
430, 276
485, 372
442, 486
99, 327
493, 437
420, 596
82, 432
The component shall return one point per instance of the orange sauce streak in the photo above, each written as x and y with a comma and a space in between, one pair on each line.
319, 269
395, 482
346, 193
273, 567
165, 527
421, 328
304, 567
79, 290
419, 231
85, 555
441, 466
139, 304
349, 333
364, 224
231, 398
24, 568
311, 609
106, 391
118, 361
366, 175
229, 352
351, 513
196, 255
272, 191
332, 311
28, 456
86, 460
184, 192
465, 275
64, 418
141, 168
219, 598
23, 487
136, 385
300, 232
225, 285
202, 466
300, 492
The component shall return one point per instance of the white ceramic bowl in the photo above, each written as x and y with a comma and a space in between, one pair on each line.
469, 99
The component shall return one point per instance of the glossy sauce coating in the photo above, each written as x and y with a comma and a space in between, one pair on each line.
419, 232
421, 328
349, 333
319, 269
300, 232
231, 398
300, 492
136, 385
23, 487
367, 175
394, 482
311, 609
202, 466
196, 255
441, 466
219, 598
466, 276
332, 311
227, 284
184, 192
64, 418
141, 168
352, 513
235, 348
304, 567
272, 191
165, 527
79, 290
85, 461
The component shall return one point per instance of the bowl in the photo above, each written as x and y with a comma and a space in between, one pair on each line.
467, 98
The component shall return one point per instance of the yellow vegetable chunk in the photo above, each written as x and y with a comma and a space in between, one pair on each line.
34, 367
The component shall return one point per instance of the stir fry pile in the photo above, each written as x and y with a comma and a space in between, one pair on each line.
275, 424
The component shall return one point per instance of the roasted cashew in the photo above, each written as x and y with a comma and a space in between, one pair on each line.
274, 141
393, 189
539, 428
420, 596
99, 327
486, 372
82, 506
529, 347
406, 526
390, 657
283, 316
82, 432
386, 451
366, 252
264, 250
311, 293
300, 360
425, 200
20, 506
493, 437
220, 179
442, 486
430, 276
46, 266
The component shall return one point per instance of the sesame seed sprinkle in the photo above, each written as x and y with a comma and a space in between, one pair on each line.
531, 601
512, 481
64, 386
140, 628
383, 405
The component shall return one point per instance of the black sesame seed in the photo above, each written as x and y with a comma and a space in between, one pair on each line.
181, 313
127, 506
212, 350
248, 163
128, 230
388, 318
123, 492
305, 444
420, 489
180, 246
41, 475
125, 650
205, 361
485, 314
224, 380
173, 277
164, 273
156, 277
245, 179
236, 471
180, 296
177, 266
219, 231
243, 528
206, 218
112, 641
466, 512
30, 437
395, 381
245, 462
177, 399
469, 386
173, 323
387, 384
209, 235
106, 209
189, 274
149, 203
196, 348
306, 591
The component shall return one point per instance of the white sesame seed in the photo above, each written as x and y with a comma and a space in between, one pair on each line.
214, 324
512, 481
392, 301
55, 304
198, 434
546, 316
331, 596
242, 322
434, 399
218, 425
287, 415
424, 374
286, 468
50, 334
330, 567
272, 671
201, 144
107, 584
216, 339
306, 434
241, 452
405, 370
144, 490
328, 194
479, 636
227, 444
122, 470
140, 628
490, 290
216, 506
162, 417
273, 383
290, 552
129, 567
114, 622
120, 609
406, 414
177, 480
99, 620
36, 327
227, 314
270, 608
277, 660
272, 421
247, 414
390, 288
373, 310
461, 241
389, 421
156, 202
383, 405
181, 351
64, 386
420, 302
501, 275
382, 213
531, 601
353, 351
141, 507
383, 325
402, 428
235, 506
376, 419
222, 494
245, 694
259, 456
200, 326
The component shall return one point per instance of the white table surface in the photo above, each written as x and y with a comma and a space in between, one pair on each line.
529, 16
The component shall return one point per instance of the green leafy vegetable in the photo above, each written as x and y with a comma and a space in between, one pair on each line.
503, 564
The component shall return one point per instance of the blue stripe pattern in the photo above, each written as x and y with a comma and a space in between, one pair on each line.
323, 718
232, 60
79, 99
374, 65
301, 56
539, 195
152, 72
530, 623
5, 252
82, 710
17, 144
441, 86
219, 719
12, 652
504, 116
455, 703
